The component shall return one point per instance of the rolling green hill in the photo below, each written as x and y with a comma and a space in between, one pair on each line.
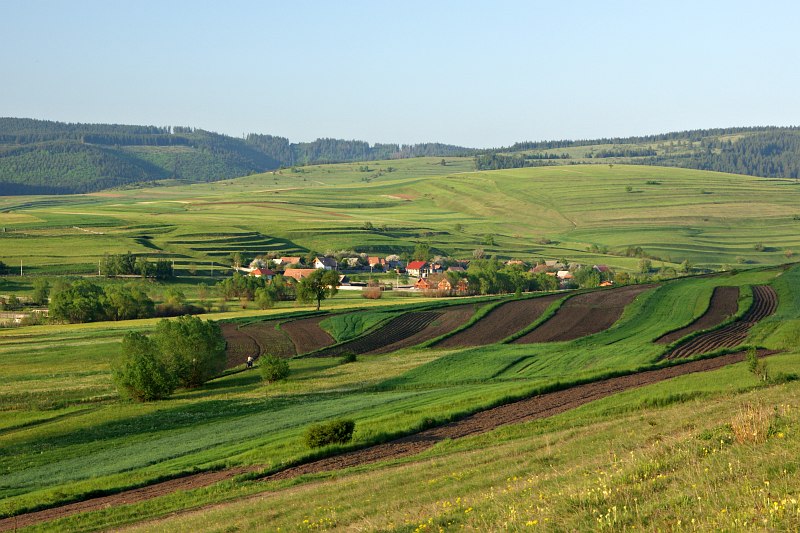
586, 213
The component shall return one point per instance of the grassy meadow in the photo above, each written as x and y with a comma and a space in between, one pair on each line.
710, 219
64, 434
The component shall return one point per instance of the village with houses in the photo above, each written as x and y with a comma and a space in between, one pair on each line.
441, 276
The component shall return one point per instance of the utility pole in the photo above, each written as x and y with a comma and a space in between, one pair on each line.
20, 268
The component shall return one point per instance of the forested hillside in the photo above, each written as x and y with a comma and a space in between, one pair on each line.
44, 157
768, 152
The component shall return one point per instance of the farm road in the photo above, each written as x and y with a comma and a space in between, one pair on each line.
533, 408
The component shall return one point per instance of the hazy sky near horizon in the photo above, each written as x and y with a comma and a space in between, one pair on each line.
478, 74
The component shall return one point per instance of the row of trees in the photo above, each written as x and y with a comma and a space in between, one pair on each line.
128, 264
185, 352
83, 301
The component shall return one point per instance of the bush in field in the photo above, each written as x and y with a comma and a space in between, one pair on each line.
348, 357
142, 373
334, 432
193, 348
273, 368
371, 293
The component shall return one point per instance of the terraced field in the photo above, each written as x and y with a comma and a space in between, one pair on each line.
723, 303
396, 330
501, 322
306, 335
765, 302
585, 314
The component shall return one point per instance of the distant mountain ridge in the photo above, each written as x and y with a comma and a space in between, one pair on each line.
47, 157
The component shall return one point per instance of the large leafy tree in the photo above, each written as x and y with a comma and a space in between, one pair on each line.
142, 373
80, 302
317, 286
194, 349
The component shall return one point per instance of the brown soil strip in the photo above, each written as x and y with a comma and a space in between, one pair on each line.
270, 339
450, 319
585, 314
239, 345
394, 331
765, 302
501, 322
533, 408
306, 334
724, 303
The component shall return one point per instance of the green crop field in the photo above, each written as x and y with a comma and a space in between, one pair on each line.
710, 219
64, 434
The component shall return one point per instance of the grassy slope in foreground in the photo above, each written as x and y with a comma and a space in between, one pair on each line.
674, 455
89, 444
707, 218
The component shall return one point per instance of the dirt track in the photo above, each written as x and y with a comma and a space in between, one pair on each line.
306, 335
501, 322
724, 303
541, 406
585, 314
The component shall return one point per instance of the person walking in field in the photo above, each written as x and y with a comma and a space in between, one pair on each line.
249, 361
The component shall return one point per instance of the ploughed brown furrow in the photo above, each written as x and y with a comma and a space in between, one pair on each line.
765, 303
396, 330
724, 303
450, 319
585, 314
238, 345
270, 339
501, 322
306, 335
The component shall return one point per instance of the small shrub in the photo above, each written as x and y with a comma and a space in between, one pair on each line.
372, 293
759, 247
348, 357
273, 368
756, 366
335, 432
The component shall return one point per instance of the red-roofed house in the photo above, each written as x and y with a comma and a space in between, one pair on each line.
418, 269
374, 261
262, 273
287, 260
298, 273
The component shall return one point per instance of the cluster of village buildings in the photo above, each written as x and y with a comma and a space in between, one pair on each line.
430, 276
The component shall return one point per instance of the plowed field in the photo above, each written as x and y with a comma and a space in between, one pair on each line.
239, 345
501, 322
585, 314
306, 335
724, 303
396, 330
537, 407
449, 319
765, 302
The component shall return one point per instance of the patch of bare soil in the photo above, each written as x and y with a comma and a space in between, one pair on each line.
306, 335
765, 302
396, 330
533, 408
450, 319
270, 338
724, 303
501, 322
585, 314
239, 345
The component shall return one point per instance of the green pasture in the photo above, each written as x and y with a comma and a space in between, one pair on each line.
64, 433
713, 220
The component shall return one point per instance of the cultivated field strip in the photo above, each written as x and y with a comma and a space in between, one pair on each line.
238, 345
724, 303
501, 322
585, 314
765, 302
536, 407
394, 331
451, 318
306, 335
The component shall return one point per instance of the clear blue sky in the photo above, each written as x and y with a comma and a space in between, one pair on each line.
471, 73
